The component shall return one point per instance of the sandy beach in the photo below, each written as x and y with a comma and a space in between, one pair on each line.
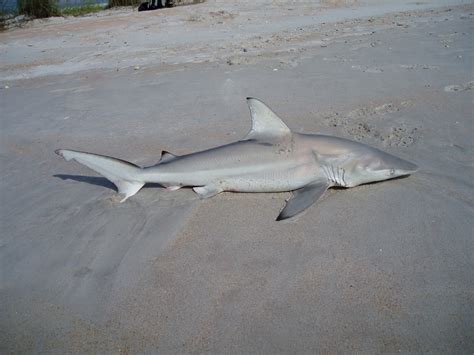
386, 267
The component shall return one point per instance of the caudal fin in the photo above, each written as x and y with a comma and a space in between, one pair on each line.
125, 175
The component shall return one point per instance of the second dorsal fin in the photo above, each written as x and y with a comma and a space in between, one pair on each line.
166, 157
265, 123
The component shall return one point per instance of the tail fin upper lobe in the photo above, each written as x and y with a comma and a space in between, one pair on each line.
126, 176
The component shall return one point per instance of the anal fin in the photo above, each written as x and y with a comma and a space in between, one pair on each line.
302, 199
173, 187
207, 191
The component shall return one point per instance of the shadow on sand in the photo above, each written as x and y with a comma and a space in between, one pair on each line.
96, 180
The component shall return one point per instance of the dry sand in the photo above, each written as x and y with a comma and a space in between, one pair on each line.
379, 268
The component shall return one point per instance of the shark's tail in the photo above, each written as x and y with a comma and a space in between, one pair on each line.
126, 176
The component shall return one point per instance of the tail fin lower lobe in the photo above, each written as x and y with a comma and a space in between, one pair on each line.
125, 175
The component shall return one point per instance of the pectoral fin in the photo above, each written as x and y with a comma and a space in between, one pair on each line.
302, 199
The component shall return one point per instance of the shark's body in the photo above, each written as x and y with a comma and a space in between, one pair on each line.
270, 158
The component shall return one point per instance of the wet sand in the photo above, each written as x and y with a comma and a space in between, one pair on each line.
383, 267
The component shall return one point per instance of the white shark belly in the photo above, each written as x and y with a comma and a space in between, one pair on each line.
275, 175
271, 181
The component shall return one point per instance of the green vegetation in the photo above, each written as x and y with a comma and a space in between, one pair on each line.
113, 3
48, 8
81, 10
38, 8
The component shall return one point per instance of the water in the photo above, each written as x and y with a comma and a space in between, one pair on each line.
10, 6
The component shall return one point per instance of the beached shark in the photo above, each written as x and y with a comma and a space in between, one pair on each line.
270, 158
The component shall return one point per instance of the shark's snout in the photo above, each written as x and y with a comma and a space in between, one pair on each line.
395, 165
404, 167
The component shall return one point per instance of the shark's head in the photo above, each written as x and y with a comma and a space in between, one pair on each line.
375, 165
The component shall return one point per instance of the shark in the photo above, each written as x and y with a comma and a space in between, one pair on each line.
270, 158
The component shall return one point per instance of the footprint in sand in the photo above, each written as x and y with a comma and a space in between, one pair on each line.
365, 69
461, 87
416, 66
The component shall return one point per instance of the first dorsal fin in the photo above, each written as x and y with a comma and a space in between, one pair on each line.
265, 123
166, 156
